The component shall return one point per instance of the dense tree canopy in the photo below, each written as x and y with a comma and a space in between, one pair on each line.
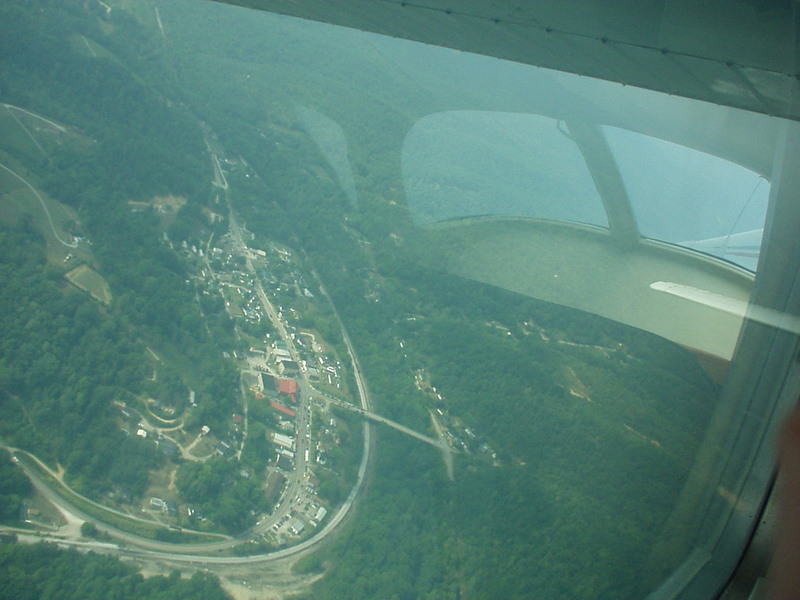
14, 488
62, 365
42, 572
221, 493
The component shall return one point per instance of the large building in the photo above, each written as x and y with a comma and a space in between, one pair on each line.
288, 387
283, 409
283, 440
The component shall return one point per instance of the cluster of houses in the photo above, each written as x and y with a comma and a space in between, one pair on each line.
273, 367
457, 434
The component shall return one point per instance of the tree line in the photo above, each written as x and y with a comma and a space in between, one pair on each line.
42, 572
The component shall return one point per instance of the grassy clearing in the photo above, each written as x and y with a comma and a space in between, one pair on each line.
88, 47
20, 202
49, 514
32, 137
232, 295
90, 281
15, 139
9, 185
160, 487
205, 446
332, 390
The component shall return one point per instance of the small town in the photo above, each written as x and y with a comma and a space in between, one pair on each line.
289, 370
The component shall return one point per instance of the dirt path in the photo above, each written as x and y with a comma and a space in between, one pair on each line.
40, 117
171, 486
28, 132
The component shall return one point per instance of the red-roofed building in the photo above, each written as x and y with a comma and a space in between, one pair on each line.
287, 386
283, 409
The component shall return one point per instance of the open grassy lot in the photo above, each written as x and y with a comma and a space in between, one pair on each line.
21, 199
17, 139
90, 281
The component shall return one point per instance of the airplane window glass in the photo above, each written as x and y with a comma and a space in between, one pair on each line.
692, 197
327, 314
478, 163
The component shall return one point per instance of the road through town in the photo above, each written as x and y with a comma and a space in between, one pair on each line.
211, 553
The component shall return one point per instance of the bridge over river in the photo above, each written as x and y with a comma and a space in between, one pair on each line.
440, 443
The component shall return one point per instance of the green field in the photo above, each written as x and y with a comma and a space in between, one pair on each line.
33, 138
90, 281
89, 47
16, 138
18, 202
26, 140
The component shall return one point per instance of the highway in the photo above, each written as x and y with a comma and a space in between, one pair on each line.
208, 553
299, 477
196, 554
14, 451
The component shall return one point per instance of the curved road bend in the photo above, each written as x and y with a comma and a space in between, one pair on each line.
44, 208
55, 476
198, 553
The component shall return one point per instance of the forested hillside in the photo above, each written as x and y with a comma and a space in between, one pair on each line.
42, 572
66, 360
63, 365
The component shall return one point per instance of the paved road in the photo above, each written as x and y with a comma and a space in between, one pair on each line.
40, 117
394, 424
204, 553
44, 208
208, 553
299, 477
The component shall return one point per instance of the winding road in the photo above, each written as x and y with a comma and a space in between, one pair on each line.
208, 553
44, 207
